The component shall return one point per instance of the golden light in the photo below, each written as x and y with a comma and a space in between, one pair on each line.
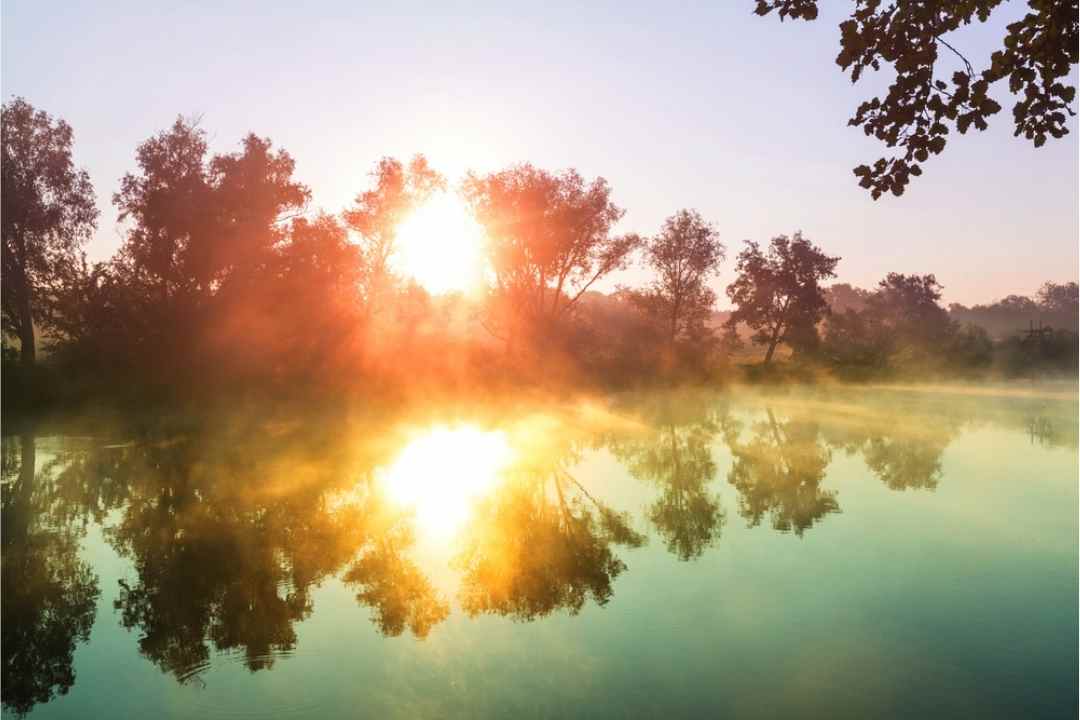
441, 246
440, 473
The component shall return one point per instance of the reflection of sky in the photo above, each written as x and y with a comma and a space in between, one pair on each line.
954, 602
701, 105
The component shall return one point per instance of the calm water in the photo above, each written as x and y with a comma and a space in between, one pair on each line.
830, 553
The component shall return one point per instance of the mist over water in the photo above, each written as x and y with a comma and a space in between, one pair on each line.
832, 551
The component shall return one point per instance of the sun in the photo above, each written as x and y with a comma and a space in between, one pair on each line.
440, 245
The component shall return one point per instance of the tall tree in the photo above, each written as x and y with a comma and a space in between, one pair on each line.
377, 213
923, 100
204, 236
684, 255
777, 293
199, 223
47, 213
550, 239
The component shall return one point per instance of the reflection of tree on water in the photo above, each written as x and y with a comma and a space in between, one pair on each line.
906, 463
541, 543
1051, 431
779, 472
49, 595
228, 532
395, 588
229, 529
902, 449
218, 556
675, 454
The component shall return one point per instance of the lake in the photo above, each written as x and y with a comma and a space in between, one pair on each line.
821, 552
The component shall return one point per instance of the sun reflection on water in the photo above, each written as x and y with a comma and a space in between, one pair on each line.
441, 472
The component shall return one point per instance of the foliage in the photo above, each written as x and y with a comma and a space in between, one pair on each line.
50, 594
779, 471
227, 285
47, 213
377, 213
777, 292
550, 239
683, 256
923, 101
903, 328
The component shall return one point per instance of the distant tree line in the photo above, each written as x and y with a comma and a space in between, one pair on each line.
227, 280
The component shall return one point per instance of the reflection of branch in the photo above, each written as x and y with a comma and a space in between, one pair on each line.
580, 487
567, 517
780, 445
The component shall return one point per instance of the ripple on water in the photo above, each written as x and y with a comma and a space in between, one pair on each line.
215, 700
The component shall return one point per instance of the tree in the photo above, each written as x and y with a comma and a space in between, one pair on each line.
377, 213
684, 255
48, 212
843, 296
203, 243
549, 239
776, 293
908, 306
904, 327
199, 224
921, 105
1061, 301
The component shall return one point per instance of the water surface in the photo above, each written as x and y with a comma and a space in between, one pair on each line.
808, 553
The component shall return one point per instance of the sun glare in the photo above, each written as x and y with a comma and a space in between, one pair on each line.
440, 245
441, 472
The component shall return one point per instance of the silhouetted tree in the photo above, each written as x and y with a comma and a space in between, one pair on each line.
684, 255
47, 213
777, 292
907, 307
904, 327
203, 240
922, 102
1061, 301
199, 226
1002, 318
843, 297
549, 240
377, 213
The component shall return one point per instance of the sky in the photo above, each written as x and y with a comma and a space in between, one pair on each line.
697, 105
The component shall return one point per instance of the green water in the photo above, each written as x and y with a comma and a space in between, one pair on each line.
802, 553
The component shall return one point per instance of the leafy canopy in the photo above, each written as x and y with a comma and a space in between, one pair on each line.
924, 101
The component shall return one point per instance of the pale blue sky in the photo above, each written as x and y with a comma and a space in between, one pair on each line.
698, 105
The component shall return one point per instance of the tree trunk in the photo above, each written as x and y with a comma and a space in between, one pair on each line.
773, 342
28, 349
772, 348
